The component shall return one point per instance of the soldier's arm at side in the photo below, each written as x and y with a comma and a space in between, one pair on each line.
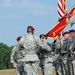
12, 60
63, 48
59, 45
72, 48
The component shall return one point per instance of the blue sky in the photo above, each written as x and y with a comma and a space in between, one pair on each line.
16, 15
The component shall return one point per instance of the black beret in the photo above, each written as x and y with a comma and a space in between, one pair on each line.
72, 30
65, 33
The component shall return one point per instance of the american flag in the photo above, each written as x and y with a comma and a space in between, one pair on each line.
61, 8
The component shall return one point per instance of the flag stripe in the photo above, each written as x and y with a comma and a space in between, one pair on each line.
61, 8
60, 11
60, 3
59, 15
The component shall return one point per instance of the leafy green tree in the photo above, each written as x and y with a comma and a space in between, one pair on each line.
5, 52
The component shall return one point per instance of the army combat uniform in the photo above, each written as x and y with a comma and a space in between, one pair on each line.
67, 57
16, 54
46, 62
56, 48
72, 48
31, 44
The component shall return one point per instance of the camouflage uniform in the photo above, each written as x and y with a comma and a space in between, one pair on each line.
46, 62
16, 55
66, 57
56, 47
31, 44
72, 48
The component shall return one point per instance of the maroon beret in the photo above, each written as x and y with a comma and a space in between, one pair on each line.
31, 27
18, 38
42, 35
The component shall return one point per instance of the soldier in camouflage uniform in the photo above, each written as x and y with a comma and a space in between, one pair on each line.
46, 61
72, 47
31, 44
16, 55
66, 54
56, 47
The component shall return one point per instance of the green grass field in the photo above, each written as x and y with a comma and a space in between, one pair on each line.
12, 72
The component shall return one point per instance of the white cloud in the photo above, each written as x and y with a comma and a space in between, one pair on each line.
7, 3
36, 7
32, 6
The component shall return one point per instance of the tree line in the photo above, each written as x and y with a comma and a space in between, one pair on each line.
5, 52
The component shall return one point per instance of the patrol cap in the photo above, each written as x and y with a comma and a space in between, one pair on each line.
72, 30
65, 33
42, 35
18, 38
30, 27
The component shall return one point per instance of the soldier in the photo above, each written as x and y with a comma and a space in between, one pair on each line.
46, 61
16, 54
66, 53
56, 47
72, 34
31, 44
72, 47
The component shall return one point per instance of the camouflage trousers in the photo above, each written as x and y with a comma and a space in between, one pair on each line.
66, 67
17, 72
57, 58
31, 68
62, 69
73, 62
47, 69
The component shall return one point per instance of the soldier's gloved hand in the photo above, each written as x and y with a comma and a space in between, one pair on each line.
52, 53
71, 52
74, 52
14, 65
62, 52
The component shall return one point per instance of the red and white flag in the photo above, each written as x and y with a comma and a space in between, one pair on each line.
61, 8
